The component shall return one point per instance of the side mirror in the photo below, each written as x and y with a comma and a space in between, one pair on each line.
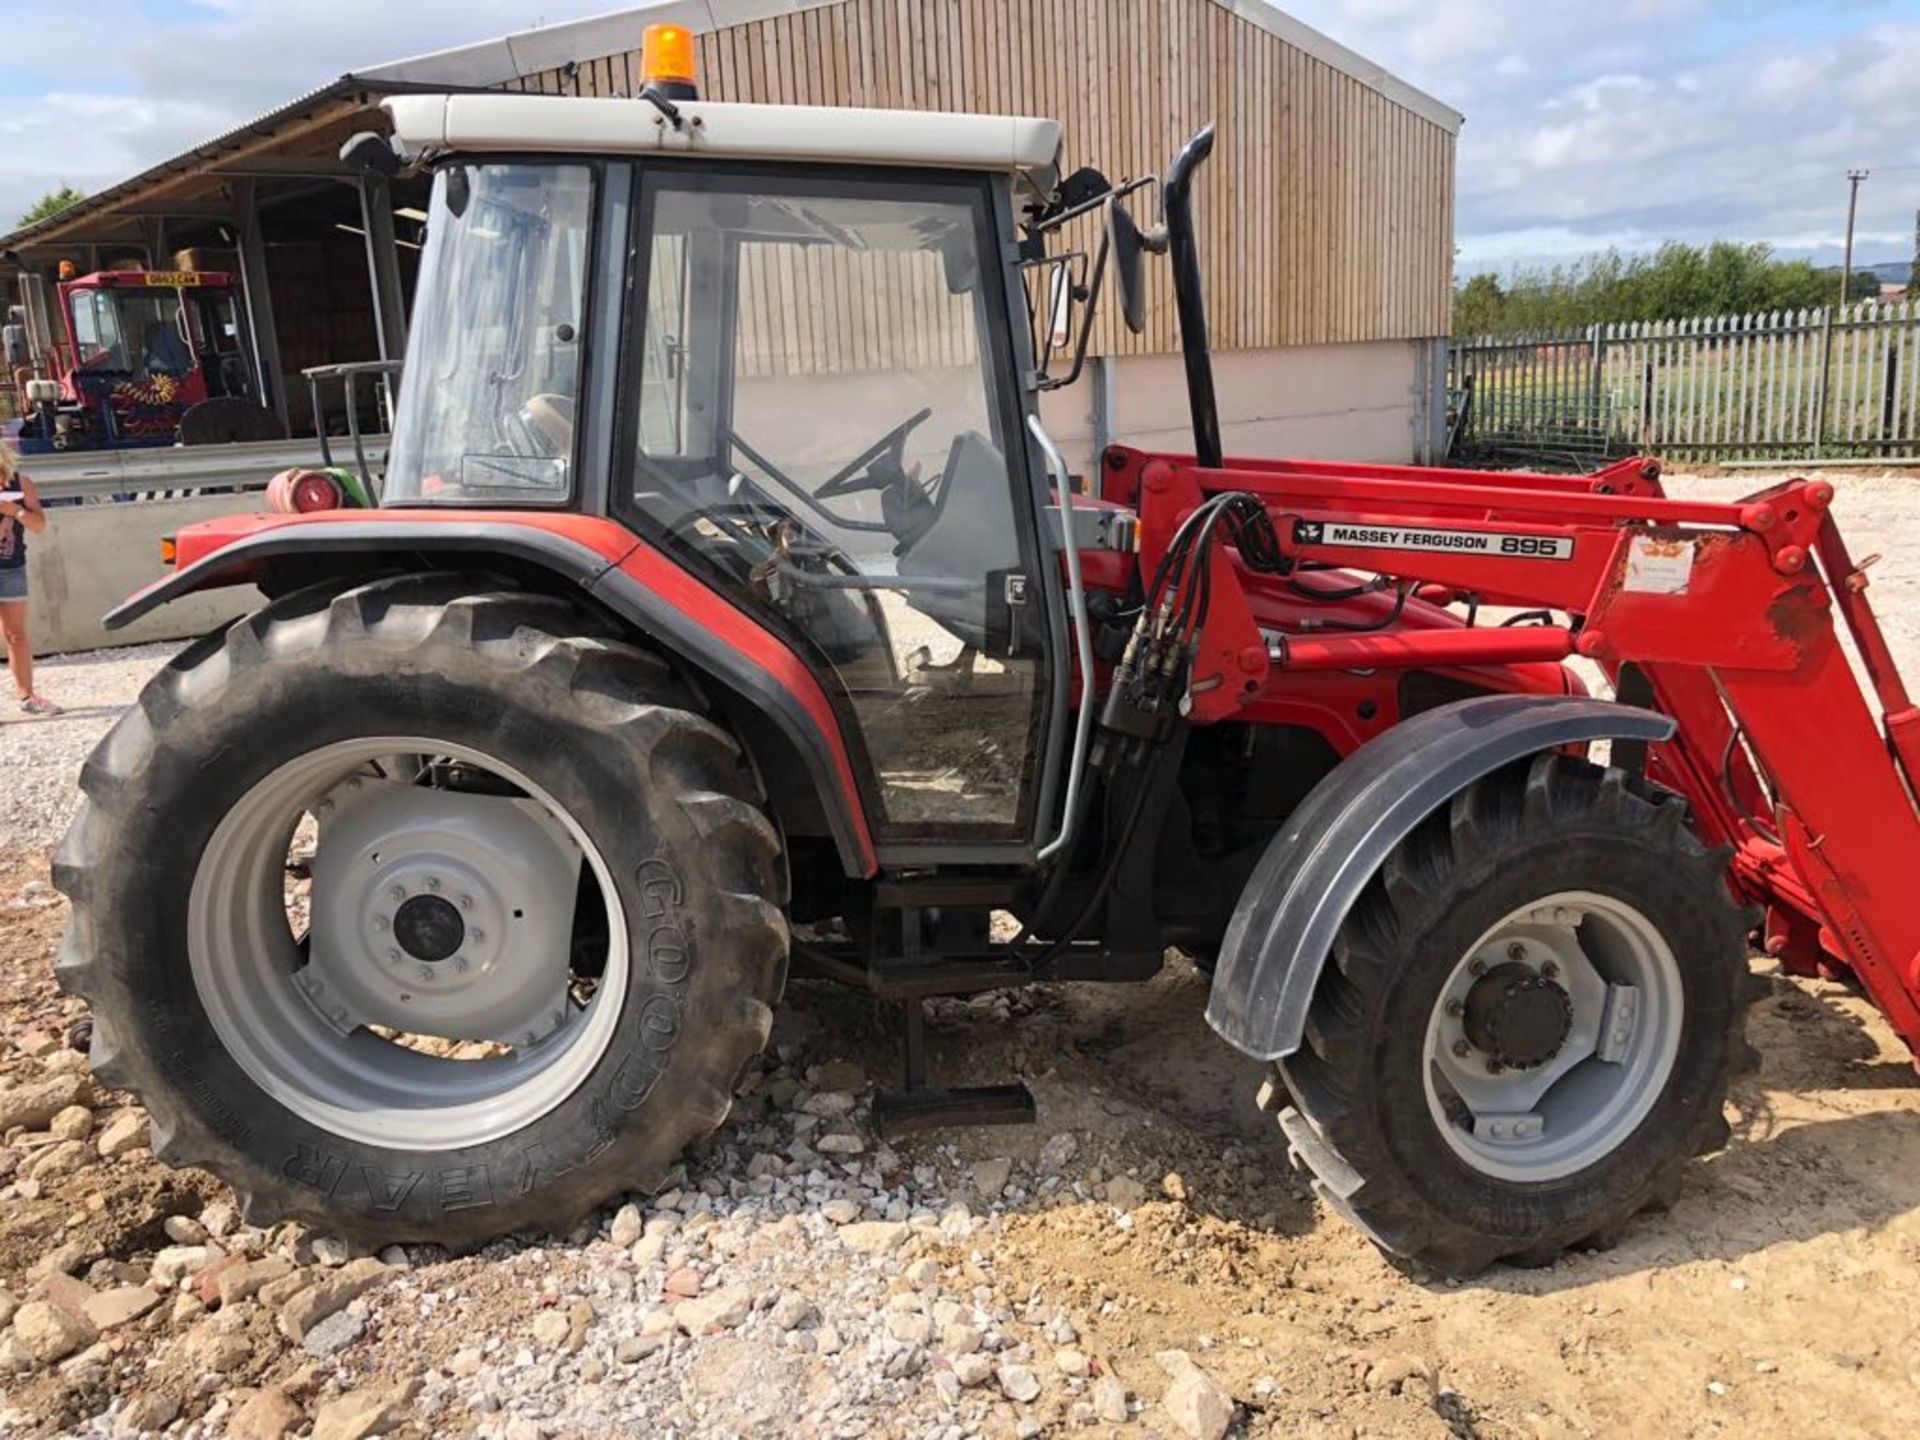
1129, 265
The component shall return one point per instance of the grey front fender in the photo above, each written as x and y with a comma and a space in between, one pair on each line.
1284, 924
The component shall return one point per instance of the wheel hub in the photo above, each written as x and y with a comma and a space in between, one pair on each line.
442, 913
1518, 1017
428, 927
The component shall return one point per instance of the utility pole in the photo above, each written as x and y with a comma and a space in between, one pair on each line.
1854, 177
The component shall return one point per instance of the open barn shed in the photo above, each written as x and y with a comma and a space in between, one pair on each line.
1326, 214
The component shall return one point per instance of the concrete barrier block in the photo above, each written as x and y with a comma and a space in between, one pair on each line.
93, 556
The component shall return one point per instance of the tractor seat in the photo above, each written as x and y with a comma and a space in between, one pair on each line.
551, 417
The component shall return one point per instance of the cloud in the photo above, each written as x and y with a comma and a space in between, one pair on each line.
77, 110
1661, 119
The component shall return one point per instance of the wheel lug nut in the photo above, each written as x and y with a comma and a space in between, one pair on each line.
380, 922
478, 935
460, 963
433, 882
466, 902
1516, 951
1494, 1067
1462, 1049
1476, 967
325, 807
426, 972
397, 893
393, 957
1455, 1009
1549, 970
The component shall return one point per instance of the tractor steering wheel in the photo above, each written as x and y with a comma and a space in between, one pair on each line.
848, 479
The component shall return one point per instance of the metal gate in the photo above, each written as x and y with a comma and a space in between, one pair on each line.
1786, 385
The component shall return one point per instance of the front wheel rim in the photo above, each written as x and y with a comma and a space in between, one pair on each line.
1508, 1102
304, 1021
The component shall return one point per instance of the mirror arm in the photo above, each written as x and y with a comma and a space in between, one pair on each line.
1086, 207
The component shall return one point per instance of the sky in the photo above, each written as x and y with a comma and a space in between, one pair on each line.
1588, 125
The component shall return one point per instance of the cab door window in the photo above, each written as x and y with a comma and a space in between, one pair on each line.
823, 425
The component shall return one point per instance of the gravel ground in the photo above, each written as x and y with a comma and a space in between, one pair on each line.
1138, 1263
43, 757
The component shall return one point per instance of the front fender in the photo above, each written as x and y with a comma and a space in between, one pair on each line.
604, 560
1284, 925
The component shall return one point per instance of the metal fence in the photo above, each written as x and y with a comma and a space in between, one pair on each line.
169, 472
1786, 385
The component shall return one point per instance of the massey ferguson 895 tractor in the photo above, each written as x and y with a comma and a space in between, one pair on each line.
730, 608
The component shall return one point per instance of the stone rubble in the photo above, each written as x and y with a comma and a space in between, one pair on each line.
837, 1288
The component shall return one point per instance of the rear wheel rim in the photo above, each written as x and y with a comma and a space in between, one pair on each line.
296, 1017
1507, 1108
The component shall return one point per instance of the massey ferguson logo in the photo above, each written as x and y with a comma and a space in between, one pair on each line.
1445, 542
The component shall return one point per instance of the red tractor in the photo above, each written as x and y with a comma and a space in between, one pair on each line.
148, 357
729, 607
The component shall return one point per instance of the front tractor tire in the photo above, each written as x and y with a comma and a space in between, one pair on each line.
1527, 1025
419, 910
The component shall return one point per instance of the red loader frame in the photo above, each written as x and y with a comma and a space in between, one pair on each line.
1719, 615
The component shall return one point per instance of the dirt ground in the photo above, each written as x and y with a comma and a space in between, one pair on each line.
1776, 1297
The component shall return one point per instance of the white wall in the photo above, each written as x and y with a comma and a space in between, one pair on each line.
1328, 402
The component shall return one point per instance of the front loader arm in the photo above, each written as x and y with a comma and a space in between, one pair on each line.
1723, 611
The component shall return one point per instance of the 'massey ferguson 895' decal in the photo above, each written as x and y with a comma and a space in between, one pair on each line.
1447, 542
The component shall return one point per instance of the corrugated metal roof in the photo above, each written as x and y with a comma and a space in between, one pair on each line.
345, 87
528, 52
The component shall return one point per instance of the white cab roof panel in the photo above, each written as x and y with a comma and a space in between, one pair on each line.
815, 133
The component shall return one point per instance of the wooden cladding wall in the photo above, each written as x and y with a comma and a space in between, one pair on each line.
1326, 213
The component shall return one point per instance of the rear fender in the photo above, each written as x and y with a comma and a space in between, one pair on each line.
1313, 871
600, 558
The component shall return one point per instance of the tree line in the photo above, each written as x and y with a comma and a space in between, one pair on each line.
1675, 282
52, 203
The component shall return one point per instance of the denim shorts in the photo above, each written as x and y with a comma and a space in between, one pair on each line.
13, 583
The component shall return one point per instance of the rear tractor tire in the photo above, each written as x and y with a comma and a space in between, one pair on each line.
421, 911
1527, 1025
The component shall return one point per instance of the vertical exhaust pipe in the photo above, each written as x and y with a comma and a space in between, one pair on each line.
1190, 296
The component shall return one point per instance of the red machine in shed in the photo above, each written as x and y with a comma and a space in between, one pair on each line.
143, 358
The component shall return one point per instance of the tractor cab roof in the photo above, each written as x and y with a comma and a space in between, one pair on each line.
550, 124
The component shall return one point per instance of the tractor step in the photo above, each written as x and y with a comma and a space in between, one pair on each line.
909, 1112
918, 1106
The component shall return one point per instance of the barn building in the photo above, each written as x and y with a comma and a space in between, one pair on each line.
1326, 213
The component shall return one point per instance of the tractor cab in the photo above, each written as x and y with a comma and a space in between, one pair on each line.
784, 346
146, 357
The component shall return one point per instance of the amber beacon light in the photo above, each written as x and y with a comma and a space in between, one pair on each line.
666, 62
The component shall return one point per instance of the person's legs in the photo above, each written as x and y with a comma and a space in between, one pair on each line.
13, 622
